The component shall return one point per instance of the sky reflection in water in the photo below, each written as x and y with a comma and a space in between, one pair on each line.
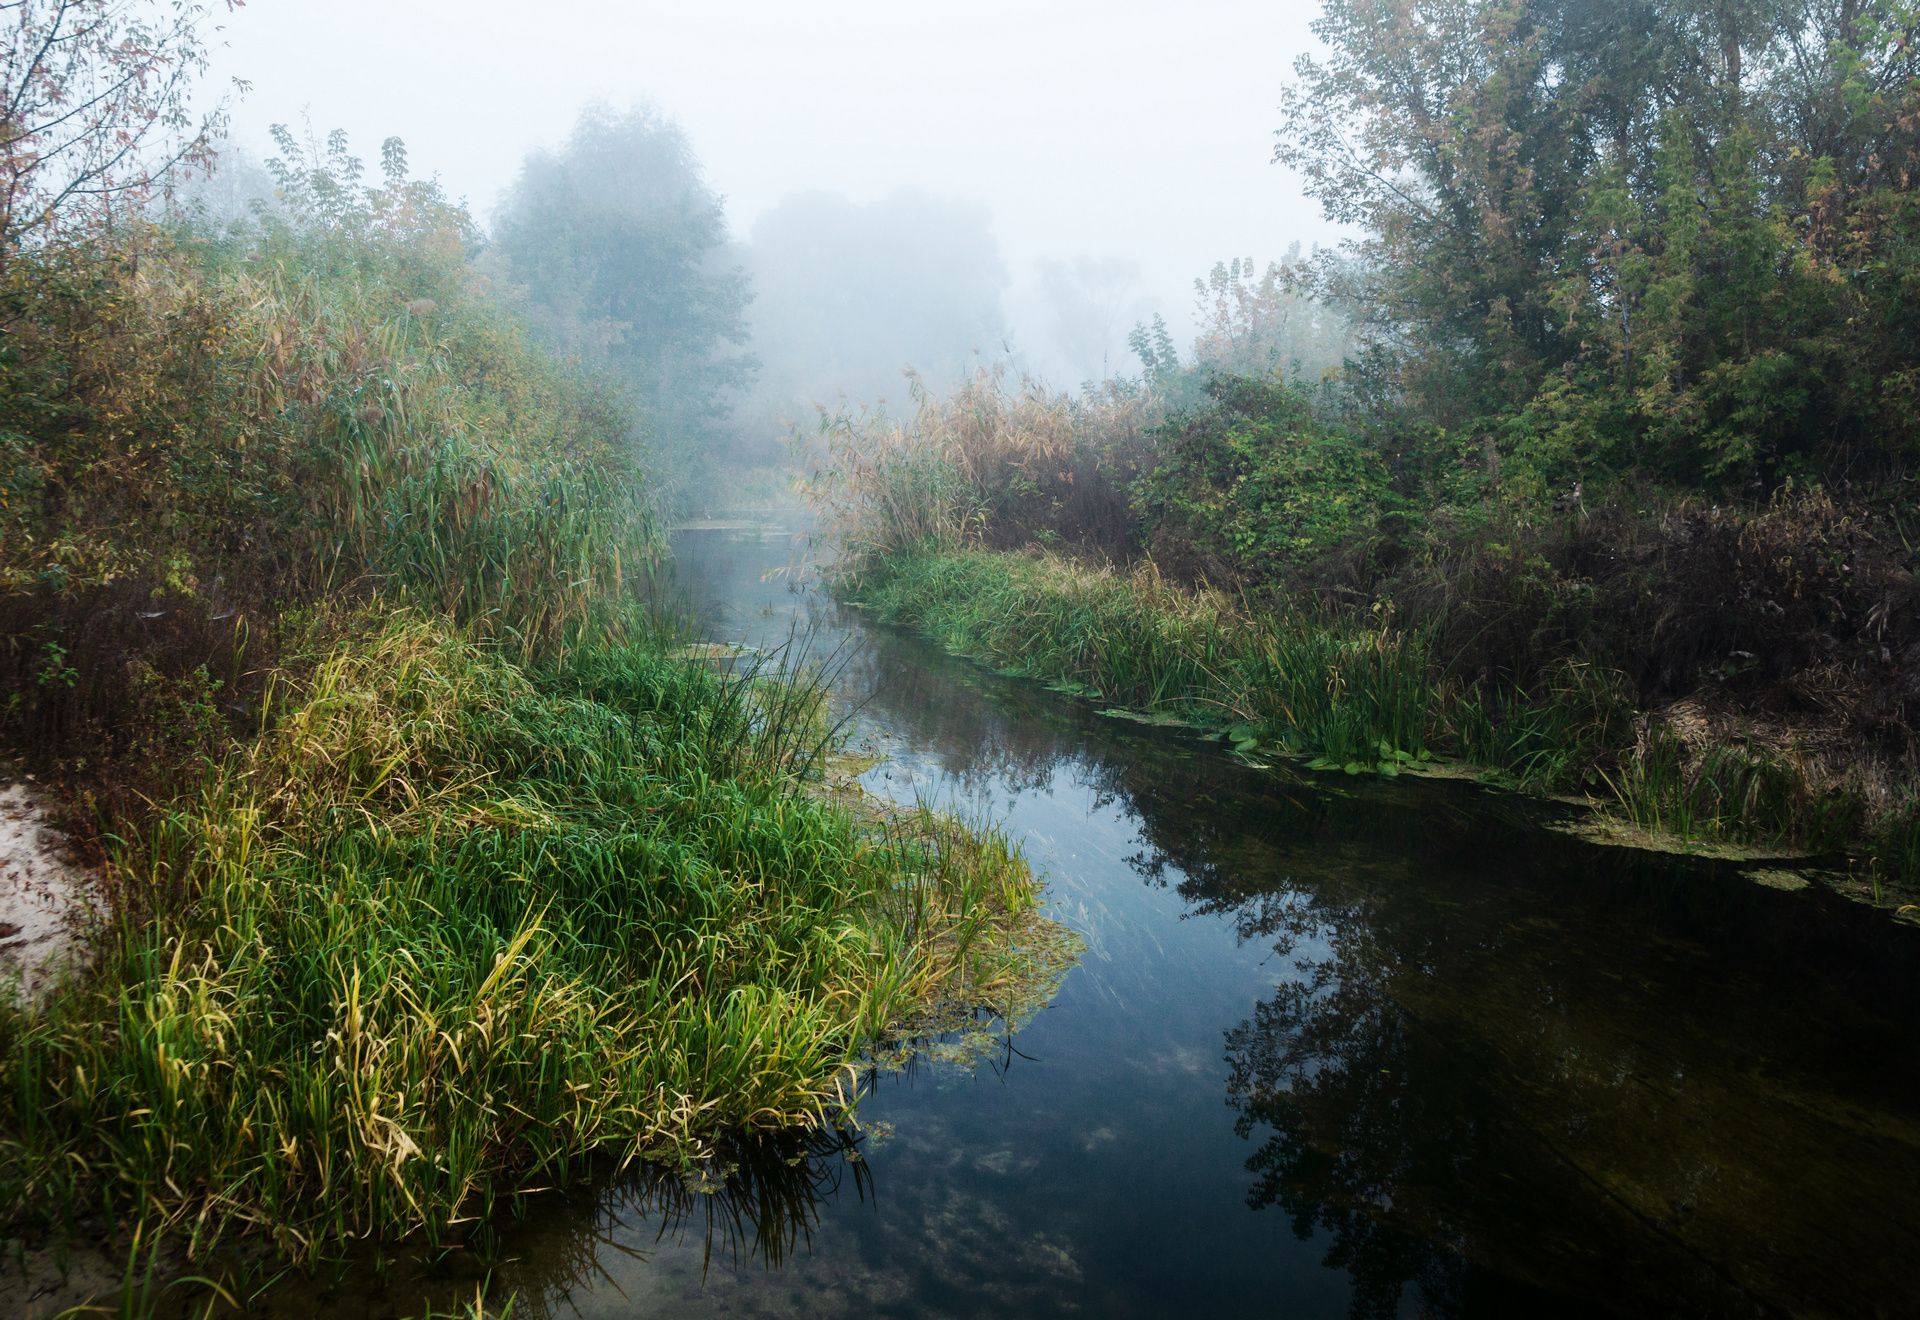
1336, 1048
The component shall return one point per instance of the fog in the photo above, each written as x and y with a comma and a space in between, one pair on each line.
850, 291
1113, 152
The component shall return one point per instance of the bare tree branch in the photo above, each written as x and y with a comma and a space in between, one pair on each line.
98, 106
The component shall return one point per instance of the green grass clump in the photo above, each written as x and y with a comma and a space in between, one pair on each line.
452, 925
1133, 640
1729, 792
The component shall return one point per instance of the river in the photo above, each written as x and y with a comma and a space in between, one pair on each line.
1337, 1047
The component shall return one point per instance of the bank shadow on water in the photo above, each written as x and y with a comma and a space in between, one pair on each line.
1643, 1082
1337, 1047
1639, 1080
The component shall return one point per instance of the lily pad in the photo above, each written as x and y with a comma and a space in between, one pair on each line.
1157, 719
709, 651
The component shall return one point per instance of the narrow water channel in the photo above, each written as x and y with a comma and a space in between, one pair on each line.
1336, 1048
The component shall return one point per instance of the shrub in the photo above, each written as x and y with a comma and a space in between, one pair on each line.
202, 431
1252, 485
995, 463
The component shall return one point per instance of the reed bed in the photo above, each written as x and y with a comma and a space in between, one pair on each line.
1132, 640
1001, 461
438, 458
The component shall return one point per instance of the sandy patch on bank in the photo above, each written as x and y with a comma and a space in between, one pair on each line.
47, 899
48, 902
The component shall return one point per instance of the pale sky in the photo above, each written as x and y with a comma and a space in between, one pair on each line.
1135, 129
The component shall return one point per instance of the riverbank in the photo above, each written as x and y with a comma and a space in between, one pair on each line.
428, 879
453, 927
48, 896
1364, 696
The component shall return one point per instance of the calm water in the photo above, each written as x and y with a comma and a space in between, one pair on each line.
1348, 1048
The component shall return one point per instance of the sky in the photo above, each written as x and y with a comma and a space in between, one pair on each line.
1124, 129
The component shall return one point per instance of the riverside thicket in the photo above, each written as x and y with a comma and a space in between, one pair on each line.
1639, 660
1610, 443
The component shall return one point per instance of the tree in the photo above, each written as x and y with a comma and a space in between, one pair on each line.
1668, 237
402, 231
95, 106
1089, 302
1265, 325
1257, 322
623, 251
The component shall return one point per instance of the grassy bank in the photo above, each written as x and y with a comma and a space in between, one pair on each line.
432, 877
451, 926
1367, 694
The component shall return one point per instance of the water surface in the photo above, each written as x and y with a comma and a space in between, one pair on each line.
1336, 1048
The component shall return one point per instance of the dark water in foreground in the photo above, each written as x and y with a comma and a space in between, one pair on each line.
1348, 1048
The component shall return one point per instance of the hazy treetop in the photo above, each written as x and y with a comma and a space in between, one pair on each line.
1089, 129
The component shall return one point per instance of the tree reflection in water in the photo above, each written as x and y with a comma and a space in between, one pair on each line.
1500, 1057
1601, 1072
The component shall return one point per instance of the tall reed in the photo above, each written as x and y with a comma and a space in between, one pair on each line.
1132, 639
999, 461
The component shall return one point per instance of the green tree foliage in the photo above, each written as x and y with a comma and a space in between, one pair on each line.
1678, 239
1251, 321
1250, 484
622, 248
1259, 322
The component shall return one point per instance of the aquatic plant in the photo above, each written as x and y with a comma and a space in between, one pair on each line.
1135, 640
